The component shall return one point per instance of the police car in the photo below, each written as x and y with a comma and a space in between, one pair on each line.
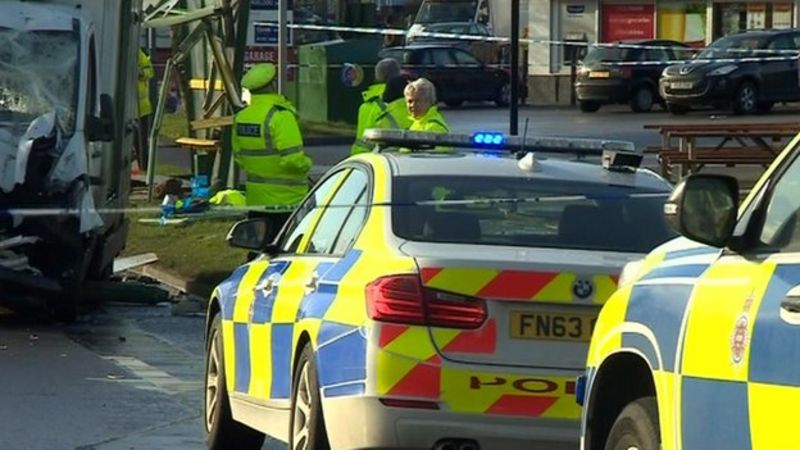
700, 347
427, 297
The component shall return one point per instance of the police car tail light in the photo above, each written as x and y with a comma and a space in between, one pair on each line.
453, 310
403, 299
396, 299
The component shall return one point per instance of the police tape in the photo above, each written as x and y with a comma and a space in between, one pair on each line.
604, 63
503, 39
48, 212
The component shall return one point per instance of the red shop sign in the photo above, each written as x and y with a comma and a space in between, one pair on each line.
623, 22
254, 54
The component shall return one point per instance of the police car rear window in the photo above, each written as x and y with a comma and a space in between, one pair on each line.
529, 213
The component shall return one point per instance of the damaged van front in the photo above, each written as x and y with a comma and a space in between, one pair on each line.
58, 147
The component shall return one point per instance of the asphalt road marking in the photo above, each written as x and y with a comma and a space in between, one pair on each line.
152, 378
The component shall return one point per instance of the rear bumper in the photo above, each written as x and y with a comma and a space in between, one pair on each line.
382, 427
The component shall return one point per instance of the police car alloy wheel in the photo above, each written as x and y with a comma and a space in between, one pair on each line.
636, 427
307, 427
221, 431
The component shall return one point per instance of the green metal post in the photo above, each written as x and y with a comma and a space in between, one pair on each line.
227, 165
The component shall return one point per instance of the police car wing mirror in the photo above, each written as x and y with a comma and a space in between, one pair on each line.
250, 234
703, 208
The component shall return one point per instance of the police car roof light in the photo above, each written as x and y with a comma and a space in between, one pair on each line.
488, 138
418, 141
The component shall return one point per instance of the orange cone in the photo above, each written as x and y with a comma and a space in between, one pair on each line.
135, 170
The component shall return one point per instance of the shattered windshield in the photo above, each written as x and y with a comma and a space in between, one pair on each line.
38, 74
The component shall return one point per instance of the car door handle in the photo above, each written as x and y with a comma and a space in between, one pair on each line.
312, 283
791, 302
266, 286
790, 306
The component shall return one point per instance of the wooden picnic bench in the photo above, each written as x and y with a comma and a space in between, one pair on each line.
203, 145
690, 147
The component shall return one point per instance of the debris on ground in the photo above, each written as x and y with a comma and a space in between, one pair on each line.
126, 292
130, 262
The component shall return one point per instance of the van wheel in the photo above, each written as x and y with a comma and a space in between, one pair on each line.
676, 109
588, 106
636, 427
642, 99
221, 431
746, 99
307, 426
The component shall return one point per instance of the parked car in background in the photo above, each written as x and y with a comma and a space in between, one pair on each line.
607, 75
485, 50
457, 74
720, 77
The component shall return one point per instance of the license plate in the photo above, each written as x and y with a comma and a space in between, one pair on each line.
598, 74
553, 326
682, 85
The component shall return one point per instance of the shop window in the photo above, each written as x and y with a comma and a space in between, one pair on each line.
734, 17
626, 22
682, 22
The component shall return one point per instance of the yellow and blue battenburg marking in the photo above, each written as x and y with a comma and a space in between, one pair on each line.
341, 347
721, 355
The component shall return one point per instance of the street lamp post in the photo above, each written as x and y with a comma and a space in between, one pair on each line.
514, 114
282, 44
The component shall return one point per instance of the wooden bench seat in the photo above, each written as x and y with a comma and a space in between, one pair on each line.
701, 157
198, 144
656, 150
710, 152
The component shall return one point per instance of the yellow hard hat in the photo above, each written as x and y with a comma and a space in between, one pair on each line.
259, 76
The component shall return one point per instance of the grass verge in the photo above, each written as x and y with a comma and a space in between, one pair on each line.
173, 126
195, 252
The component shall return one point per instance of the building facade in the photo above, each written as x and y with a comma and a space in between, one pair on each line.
694, 22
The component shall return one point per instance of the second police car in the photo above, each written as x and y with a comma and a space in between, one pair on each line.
427, 300
700, 347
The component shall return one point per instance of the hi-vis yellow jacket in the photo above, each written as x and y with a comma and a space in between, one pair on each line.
268, 145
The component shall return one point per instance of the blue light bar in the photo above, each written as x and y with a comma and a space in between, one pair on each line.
488, 139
